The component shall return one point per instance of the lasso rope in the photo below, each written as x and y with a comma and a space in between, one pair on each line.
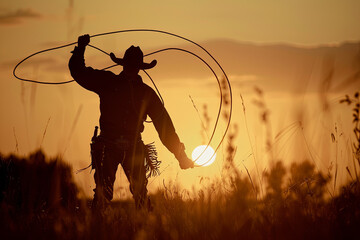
156, 31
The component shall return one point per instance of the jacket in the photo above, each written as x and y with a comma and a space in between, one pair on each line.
125, 102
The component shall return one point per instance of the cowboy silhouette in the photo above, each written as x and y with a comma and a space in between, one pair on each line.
125, 102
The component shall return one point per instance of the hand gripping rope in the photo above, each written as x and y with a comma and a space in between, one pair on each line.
155, 52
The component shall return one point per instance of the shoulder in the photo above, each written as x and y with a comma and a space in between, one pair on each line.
148, 90
147, 87
107, 74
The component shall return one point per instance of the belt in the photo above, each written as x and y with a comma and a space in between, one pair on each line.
122, 142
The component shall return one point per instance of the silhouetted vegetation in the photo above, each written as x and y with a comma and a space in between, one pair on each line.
39, 200
34, 192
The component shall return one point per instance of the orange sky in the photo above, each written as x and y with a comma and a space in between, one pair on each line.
305, 22
29, 26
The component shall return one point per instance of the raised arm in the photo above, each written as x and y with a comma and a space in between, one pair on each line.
166, 130
87, 77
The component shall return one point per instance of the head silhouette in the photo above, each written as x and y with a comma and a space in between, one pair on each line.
133, 60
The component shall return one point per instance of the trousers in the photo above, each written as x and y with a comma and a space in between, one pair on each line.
106, 156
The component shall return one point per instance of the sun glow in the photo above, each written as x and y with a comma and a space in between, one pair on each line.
206, 158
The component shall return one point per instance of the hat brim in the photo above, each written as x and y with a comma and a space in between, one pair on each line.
122, 62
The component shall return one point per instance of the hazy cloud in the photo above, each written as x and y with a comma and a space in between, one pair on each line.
15, 17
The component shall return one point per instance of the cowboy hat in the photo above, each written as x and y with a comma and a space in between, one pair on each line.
133, 57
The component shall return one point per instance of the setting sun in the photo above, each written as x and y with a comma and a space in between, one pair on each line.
203, 155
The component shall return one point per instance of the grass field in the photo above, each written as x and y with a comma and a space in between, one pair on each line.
40, 200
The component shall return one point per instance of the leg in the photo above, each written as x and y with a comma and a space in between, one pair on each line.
134, 168
106, 161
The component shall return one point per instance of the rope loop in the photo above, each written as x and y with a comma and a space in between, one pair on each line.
158, 51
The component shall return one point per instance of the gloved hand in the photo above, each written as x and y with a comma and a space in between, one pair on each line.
83, 40
183, 159
186, 163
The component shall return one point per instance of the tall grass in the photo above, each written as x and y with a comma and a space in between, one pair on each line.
39, 199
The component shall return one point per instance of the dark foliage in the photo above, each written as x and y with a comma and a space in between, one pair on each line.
34, 190
38, 200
